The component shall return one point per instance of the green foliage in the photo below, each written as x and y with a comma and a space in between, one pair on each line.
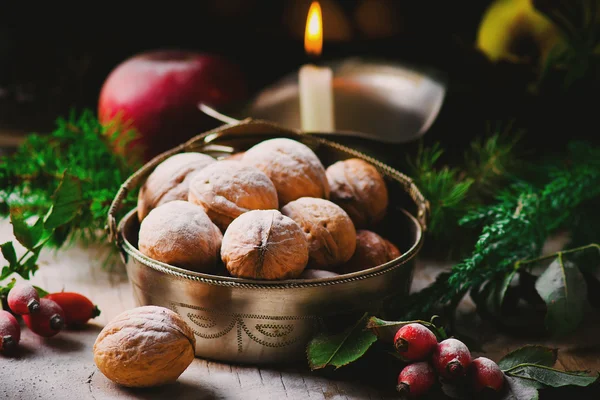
67, 201
529, 354
577, 56
59, 187
563, 288
340, 349
453, 191
81, 146
516, 227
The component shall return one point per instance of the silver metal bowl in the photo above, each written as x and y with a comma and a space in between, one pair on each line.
262, 322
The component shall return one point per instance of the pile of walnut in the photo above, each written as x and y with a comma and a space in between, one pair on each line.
273, 212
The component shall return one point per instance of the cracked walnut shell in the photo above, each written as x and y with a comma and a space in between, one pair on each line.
371, 250
181, 234
144, 347
264, 244
226, 189
329, 230
294, 168
170, 180
359, 189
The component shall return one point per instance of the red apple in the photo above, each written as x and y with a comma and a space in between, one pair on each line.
158, 92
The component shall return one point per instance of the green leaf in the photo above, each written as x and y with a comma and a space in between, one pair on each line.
41, 292
519, 389
340, 349
386, 330
563, 288
551, 377
529, 354
66, 202
29, 266
28, 235
9, 253
5, 289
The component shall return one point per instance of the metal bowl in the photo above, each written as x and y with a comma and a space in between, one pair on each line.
262, 322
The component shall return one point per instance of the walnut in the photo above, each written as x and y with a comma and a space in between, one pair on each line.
226, 189
169, 181
329, 231
371, 250
264, 244
310, 273
358, 188
181, 234
145, 346
293, 167
235, 156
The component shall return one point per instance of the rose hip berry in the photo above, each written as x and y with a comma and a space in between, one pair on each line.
486, 374
23, 299
414, 342
416, 379
10, 332
451, 358
48, 321
78, 309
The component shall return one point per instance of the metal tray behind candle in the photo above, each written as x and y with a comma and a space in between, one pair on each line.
380, 100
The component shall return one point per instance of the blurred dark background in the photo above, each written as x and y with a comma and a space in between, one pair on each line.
54, 57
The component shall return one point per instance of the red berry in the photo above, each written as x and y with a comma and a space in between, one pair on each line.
416, 379
10, 332
414, 342
78, 309
451, 358
486, 374
48, 321
23, 299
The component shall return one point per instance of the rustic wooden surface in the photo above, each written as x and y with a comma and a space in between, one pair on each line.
62, 367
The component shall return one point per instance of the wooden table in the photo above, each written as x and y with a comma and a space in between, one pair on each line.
62, 367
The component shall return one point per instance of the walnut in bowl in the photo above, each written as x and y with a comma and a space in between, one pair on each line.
181, 234
371, 250
170, 180
329, 230
264, 244
359, 189
293, 167
228, 188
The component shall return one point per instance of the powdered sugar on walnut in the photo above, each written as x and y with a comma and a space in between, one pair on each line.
226, 189
181, 234
264, 244
293, 167
170, 180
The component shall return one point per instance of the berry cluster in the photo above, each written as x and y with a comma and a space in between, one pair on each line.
44, 316
450, 360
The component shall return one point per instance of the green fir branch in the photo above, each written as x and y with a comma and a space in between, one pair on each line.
516, 226
83, 147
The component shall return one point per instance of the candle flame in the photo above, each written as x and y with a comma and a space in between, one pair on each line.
313, 36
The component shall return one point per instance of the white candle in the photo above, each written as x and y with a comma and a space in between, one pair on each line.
316, 98
315, 83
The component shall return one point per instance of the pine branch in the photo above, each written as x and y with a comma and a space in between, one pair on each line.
453, 191
80, 146
517, 226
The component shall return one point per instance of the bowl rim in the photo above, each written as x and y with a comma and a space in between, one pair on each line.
217, 280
